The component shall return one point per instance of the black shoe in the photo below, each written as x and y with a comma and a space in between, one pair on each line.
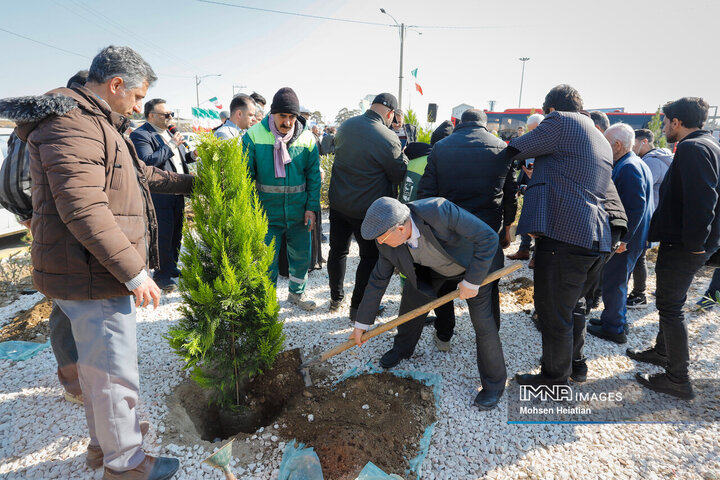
391, 358
335, 305
166, 284
598, 331
487, 399
598, 322
636, 301
659, 382
593, 303
430, 320
647, 356
536, 380
579, 372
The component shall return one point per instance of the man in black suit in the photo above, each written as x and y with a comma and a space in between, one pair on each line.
439, 247
157, 147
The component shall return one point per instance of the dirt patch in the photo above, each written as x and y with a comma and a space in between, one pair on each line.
31, 325
378, 418
521, 290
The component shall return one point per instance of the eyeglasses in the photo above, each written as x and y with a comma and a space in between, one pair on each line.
386, 236
166, 115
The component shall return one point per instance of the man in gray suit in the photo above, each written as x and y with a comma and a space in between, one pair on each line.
438, 246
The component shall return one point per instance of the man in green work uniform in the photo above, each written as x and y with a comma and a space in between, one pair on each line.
284, 161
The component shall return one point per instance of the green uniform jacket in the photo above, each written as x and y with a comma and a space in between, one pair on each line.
409, 185
285, 199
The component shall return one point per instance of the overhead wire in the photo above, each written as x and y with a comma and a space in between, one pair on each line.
346, 20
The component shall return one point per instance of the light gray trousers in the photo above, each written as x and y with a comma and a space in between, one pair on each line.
105, 337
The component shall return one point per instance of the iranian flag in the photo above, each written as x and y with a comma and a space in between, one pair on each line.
216, 102
417, 85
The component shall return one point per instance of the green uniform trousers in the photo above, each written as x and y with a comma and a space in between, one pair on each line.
298, 253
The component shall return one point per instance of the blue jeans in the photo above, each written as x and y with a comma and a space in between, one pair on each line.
525, 241
615, 276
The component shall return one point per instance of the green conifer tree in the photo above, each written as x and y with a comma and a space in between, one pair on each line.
656, 126
230, 329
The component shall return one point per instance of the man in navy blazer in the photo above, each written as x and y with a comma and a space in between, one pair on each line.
564, 210
634, 182
156, 146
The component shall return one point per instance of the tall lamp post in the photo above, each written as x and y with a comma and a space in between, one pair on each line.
522, 77
198, 79
401, 28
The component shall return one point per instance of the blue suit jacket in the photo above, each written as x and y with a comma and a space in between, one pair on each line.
152, 149
465, 239
634, 182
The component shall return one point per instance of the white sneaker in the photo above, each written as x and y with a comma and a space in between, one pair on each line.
442, 346
297, 299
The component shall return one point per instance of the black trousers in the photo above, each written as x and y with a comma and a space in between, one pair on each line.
483, 313
342, 228
563, 274
639, 275
170, 222
675, 269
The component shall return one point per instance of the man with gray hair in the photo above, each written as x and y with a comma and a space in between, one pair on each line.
94, 240
438, 246
633, 180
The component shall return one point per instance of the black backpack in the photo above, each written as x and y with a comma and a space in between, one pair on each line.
15, 179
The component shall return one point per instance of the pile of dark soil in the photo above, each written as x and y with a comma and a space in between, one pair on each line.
522, 290
371, 418
29, 324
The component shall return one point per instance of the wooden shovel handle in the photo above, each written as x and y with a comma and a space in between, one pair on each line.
497, 274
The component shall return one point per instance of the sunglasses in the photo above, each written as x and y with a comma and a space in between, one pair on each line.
166, 115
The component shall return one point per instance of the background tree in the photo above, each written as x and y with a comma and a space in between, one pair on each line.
344, 114
424, 133
316, 117
230, 329
655, 126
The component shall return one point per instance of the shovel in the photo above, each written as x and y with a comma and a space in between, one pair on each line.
304, 367
221, 459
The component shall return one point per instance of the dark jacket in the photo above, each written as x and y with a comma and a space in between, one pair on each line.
411, 131
327, 144
688, 212
616, 214
152, 149
470, 168
93, 223
469, 241
368, 162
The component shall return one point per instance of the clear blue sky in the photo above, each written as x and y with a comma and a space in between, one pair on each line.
632, 54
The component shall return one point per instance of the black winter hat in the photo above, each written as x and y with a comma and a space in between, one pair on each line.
285, 101
443, 130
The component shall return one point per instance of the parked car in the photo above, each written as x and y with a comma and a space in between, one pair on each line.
8, 223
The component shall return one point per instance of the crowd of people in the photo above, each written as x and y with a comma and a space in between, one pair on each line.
107, 210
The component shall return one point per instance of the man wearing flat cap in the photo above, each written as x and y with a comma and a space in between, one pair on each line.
283, 160
369, 162
438, 246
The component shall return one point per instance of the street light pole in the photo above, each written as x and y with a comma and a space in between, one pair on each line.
401, 28
198, 79
522, 77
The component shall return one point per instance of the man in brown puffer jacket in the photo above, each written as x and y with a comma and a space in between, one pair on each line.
94, 240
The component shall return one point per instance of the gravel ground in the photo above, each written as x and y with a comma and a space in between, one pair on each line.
44, 437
